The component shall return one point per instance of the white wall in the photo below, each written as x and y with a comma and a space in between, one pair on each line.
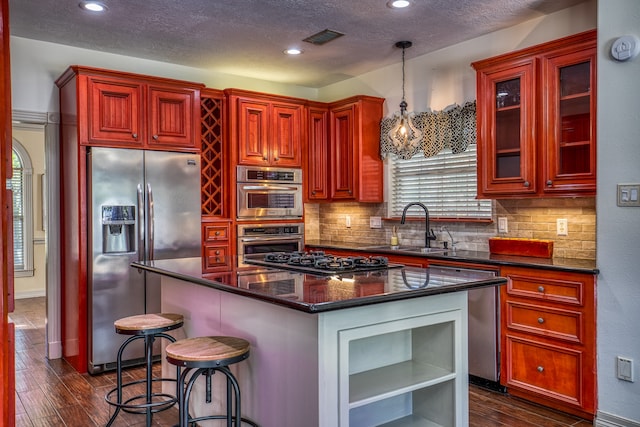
35, 66
618, 229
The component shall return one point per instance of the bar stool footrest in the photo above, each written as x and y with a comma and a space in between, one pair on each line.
141, 408
223, 417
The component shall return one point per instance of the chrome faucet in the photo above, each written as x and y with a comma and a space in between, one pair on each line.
428, 233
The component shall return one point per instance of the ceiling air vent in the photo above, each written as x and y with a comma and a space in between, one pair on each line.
324, 36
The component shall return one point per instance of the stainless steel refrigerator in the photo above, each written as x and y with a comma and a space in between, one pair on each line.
142, 205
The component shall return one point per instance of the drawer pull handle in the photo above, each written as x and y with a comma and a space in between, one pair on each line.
540, 320
540, 369
540, 288
218, 253
217, 233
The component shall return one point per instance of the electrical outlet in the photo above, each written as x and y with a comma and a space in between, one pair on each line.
624, 369
503, 226
348, 221
375, 222
562, 227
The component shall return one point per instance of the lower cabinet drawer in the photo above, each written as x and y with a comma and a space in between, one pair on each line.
216, 257
544, 369
565, 325
214, 232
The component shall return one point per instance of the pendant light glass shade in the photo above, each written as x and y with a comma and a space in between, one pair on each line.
404, 133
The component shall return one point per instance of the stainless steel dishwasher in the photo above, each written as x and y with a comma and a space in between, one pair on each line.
484, 329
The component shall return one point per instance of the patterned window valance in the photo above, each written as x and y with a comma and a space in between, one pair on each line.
453, 127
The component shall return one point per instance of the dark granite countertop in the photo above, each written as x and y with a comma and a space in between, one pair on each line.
319, 293
561, 264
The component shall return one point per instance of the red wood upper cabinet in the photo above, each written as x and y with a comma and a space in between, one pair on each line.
569, 138
342, 157
317, 156
356, 169
174, 117
506, 135
286, 143
115, 111
124, 110
536, 120
267, 129
342, 152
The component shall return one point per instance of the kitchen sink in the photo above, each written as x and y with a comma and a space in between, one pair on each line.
402, 248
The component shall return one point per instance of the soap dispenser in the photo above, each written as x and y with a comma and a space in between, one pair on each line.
394, 237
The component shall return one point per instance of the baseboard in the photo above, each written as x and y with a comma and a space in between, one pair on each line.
609, 420
30, 294
54, 350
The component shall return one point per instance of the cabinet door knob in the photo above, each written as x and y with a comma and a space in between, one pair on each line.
155, 137
313, 193
134, 135
540, 369
540, 288
526, 184
265, 158
217, 233
540, 320
276, 158
549, 183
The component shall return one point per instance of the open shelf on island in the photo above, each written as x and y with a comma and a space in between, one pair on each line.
392, 380
403, 372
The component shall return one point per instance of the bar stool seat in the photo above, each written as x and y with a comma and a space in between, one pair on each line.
206, 356
147, 327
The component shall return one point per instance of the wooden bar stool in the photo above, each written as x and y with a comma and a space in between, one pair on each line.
206, 356
147, 327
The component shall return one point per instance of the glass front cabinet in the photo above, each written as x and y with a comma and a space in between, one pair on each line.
536, 120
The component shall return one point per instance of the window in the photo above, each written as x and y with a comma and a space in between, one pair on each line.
446, 183
21, 185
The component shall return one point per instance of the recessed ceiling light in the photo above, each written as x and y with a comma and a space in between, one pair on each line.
93, 6
398, 4
293, 51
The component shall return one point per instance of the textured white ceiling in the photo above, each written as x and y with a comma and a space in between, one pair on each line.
247, 37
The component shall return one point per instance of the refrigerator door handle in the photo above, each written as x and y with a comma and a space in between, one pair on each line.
140, 222
150, 221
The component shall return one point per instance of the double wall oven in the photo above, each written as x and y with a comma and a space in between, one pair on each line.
269, 210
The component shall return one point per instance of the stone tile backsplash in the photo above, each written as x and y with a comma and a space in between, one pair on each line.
530, 218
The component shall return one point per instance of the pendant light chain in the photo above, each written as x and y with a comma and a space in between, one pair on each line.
403, 73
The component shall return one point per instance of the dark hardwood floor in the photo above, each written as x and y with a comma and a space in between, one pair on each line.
51, 393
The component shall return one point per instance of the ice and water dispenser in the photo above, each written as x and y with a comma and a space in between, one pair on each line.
118, 229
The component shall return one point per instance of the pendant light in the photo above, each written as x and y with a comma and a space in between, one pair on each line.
404, 132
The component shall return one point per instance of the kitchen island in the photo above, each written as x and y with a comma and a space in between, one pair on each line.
382, 347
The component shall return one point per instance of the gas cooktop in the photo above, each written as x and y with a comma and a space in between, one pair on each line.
319, 262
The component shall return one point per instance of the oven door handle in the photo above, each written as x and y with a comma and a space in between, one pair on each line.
270, 239
267, 187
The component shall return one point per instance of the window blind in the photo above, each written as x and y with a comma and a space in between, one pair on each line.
18, 214
446, 183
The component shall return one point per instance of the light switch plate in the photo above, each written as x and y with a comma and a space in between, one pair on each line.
503, 226
629, 195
